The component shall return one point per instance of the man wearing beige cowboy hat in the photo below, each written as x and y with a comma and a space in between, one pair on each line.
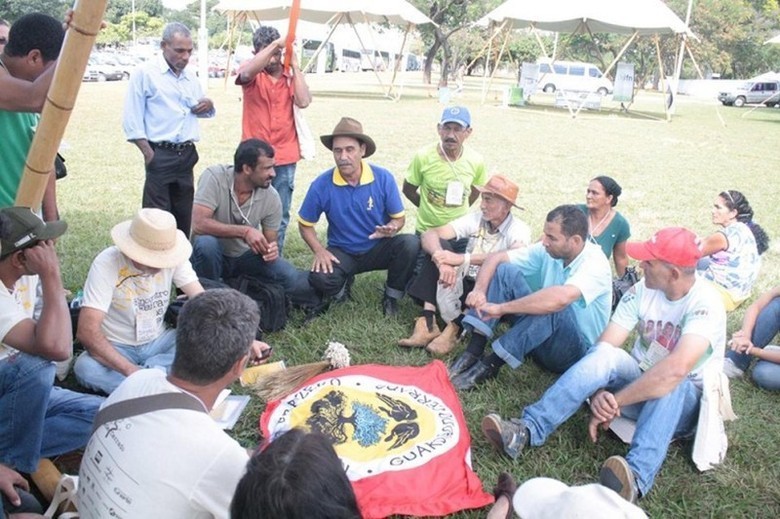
36, 419
444, 271
365, 214
126, 294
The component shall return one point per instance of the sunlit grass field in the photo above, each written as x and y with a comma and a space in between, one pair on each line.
670, 173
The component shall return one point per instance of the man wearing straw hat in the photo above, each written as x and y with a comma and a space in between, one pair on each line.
445, 271
163, 104
126, 294
36, 419
365, 214
26, 71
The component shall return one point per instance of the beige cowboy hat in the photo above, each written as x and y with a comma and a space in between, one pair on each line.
152, 239
349, 127
501, 186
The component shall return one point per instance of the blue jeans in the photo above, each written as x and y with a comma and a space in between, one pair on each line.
554, 340
209, 262
36, 419
158, 353
659, 421
767, 326
284, 183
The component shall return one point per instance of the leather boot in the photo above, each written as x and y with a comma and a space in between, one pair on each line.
444, 343
420, 336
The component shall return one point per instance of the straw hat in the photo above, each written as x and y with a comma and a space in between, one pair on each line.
349, 127
501, 186
152, 239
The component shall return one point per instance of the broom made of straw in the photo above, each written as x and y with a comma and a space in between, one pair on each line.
281, 383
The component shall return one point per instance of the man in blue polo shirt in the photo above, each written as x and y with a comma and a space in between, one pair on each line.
364, 210
556, 294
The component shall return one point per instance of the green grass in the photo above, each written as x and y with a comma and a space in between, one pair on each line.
670, 173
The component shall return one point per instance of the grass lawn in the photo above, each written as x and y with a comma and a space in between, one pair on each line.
670, 174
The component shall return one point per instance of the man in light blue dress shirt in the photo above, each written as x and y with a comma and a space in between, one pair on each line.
163, 103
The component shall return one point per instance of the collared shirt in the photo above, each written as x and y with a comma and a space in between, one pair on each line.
589, 272
262, 210
15, 307
353, 212
158, 106
268, 115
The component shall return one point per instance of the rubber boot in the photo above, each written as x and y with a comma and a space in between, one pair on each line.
444, 343
420, 336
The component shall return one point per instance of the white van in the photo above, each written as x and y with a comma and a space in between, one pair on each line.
572, 76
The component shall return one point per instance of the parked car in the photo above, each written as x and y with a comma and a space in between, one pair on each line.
573, 76
752, 92
90, 74
107, 70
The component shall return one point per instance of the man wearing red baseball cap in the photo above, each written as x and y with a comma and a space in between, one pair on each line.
658, 385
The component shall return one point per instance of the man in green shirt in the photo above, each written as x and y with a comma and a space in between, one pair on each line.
26, 71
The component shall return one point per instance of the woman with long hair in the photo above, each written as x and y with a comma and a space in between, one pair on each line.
730, 257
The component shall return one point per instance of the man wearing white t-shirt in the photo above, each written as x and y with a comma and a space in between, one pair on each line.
658, 385
37, 419
126, 294
173, 460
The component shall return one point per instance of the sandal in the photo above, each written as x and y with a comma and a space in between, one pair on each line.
505, 487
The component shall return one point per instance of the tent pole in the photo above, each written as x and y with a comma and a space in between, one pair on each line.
487, 65
485, 46
231, 48
363, 47
541, 43
663, 77
680, 53
622, 51
325, 41
601, 55
498, 60
398, 62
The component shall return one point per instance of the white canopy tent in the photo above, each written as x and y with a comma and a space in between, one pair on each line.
634, 17
333, 13
776, 39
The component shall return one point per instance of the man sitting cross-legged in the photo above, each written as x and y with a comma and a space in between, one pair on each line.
659, 386
126, 294
555, 293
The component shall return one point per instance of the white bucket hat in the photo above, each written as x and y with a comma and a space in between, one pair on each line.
152, 239
542, 498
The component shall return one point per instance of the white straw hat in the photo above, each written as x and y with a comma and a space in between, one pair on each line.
546, 498
152, 239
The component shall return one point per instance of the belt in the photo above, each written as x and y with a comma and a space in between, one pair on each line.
175, 146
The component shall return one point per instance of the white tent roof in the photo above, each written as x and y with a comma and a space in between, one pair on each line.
398, 12
776, 39
616, 16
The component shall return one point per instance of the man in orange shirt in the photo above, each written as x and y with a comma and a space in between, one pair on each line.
269, 95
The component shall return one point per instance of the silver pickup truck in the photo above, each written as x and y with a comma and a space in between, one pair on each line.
752, 92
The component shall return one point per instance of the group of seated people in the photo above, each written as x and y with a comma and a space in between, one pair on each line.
477, 268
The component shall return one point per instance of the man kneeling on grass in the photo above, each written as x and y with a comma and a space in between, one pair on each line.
658, 386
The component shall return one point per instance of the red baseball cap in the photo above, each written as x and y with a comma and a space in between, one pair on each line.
675, 245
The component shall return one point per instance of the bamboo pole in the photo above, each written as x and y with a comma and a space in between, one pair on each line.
79, 39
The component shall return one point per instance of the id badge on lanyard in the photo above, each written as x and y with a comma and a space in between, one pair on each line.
454, 195
145, 327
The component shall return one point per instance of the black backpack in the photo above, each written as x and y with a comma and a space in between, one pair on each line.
270, 298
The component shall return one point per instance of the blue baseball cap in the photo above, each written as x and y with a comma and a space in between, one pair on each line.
456, 114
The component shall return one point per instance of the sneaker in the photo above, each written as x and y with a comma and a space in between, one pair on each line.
508, 436
618, 476
731, 370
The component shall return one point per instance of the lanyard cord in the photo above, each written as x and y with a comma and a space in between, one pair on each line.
233, 199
